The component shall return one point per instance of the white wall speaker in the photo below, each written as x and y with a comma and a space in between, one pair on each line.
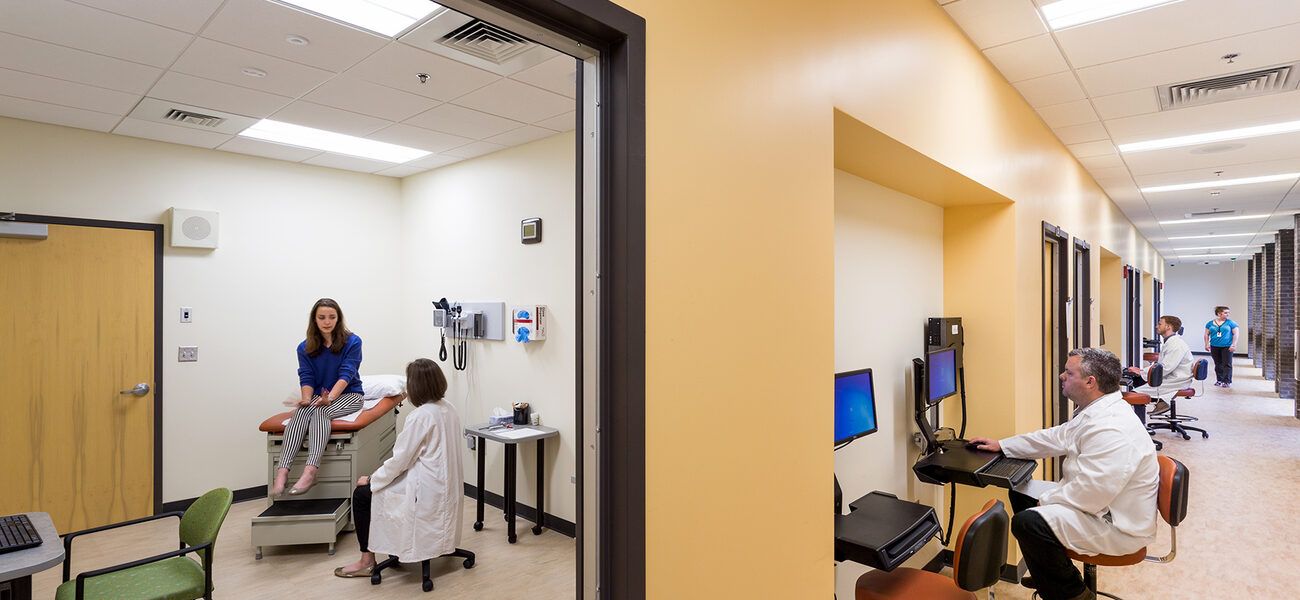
193, 228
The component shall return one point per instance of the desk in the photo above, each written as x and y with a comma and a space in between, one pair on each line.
511, 438
16, 568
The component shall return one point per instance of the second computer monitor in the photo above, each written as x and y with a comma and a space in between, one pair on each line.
855, 406
941, 373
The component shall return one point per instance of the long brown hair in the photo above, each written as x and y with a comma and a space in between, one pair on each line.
424, 382
316, 339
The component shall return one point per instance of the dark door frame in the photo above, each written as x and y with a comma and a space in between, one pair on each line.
1082, 294
157, 230
619, 36
1132, 316
1056, 408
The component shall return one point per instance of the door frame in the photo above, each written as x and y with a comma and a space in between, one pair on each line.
1056, 409
157, 230
1082, 294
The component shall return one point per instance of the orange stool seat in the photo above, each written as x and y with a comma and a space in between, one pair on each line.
1136, 398
1185, 393
1109, 560
905, 582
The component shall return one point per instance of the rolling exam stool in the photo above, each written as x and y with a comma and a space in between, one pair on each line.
426, 582
976, 564
1171, 500
1172, 420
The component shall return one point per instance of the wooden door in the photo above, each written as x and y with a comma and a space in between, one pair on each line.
77, 320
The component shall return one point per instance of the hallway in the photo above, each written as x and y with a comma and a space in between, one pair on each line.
1235, 541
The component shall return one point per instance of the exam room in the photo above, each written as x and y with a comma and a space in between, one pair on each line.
385, 248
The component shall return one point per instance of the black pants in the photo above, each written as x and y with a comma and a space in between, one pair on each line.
361, 515
1222, 363
1054, 574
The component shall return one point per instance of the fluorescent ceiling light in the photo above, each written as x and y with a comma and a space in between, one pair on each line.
385, 17
338, 143
1219, 235
1220, 183
1224, 256
1212, 247
1068, 13
1243, 217
1213, 136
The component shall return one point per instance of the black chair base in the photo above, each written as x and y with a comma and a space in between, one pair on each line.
1175, 423
1089, 581
426, 582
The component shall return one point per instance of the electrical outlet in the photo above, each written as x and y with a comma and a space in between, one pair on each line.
573, 479
187, 314
188, 354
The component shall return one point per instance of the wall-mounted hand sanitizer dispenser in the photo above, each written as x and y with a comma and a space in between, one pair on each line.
528, 323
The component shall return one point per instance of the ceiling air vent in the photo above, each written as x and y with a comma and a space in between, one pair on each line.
486, 41
193, 117
1262, 82
478, 43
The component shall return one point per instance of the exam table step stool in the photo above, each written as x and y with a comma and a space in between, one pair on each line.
287, 522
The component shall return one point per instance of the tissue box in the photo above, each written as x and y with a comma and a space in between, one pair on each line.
501, 420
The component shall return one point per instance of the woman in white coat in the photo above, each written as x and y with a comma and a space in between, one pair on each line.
411, 506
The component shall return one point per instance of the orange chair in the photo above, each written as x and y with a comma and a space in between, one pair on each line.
1171, 500
976, 563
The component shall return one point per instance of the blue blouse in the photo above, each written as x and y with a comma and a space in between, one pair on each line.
327, 368
1221, 335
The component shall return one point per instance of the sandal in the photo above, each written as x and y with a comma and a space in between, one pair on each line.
339, 572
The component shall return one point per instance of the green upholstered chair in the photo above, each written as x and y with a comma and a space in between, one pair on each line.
167, 576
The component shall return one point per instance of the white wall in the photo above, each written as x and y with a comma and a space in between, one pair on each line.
1193, 290
460, 240
888, 280
289, 234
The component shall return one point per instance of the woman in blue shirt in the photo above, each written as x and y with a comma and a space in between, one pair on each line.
331, 387
1221, 340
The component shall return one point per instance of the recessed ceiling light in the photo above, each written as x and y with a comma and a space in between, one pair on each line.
1069, 13
1181, 221
1212, 136
1201, 237
1224, 256
385, 17
329, 141
1220, 183
297, 40
253, 72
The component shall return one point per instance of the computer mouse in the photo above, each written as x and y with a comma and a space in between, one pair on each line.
972, 445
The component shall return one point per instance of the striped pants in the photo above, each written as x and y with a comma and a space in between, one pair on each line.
313, 423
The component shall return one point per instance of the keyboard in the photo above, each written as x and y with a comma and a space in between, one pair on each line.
17, 533
1003, 467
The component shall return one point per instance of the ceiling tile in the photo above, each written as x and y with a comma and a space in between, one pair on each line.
1178, 25
474, 149
1260, 110
397, 65
329, 119
358, 95
1102, 161
433, 161
31, 110
419, 137
517, 101
349, 163
464, 122
93, 30
556, 75
222, 62
262, 26
1088, 132
1137, 102
1086, 149
1027, 59
254, 147
50, 60
1280, 153
65, 93
1070, 113
196, 91
523, 135
993, 22
170, 133
1049, 90
564, 122
188, 16
401, 171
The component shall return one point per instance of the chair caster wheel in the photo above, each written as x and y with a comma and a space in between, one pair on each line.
1187, 437
375, 578
468, 564
427, 585
1204, 435
478, 526
257, 556
537, 530
512, 539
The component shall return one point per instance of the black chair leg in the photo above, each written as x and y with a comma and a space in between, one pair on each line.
375, 576
425, 582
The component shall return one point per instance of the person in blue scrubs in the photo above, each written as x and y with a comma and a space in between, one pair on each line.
1221, 341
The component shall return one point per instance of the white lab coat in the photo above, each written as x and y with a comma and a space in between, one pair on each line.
1106, 500
1176, 358
417, 494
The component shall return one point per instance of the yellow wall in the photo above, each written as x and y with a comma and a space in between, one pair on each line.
741, 98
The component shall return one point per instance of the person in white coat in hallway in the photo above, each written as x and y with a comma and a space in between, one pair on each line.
1175, 357
411, 506
1105, 502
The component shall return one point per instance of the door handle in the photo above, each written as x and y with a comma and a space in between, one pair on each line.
140, 389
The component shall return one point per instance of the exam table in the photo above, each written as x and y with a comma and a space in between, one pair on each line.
355, 448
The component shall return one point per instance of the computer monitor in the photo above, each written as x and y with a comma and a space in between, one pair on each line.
941, 374
855, 405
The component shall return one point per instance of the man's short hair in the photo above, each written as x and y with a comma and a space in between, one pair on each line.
1099, 363
1173, 321
1218, 310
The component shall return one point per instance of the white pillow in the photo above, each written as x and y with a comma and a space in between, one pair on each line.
374, 387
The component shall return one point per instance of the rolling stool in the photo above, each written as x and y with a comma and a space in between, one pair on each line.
427, 583
1139, 403
1172, 420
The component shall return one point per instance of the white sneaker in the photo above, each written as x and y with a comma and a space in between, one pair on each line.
1160, 408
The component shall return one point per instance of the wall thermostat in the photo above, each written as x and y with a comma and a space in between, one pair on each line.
531, 230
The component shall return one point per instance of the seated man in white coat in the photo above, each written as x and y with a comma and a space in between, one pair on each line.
425, 464
1175, 357
1106, 500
